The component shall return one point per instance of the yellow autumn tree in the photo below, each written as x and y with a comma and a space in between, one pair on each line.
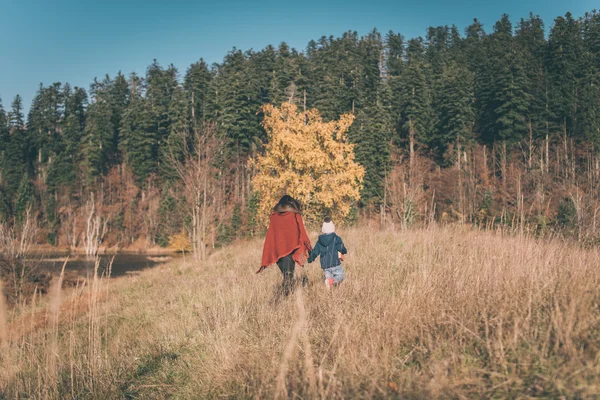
180, 242
309, 159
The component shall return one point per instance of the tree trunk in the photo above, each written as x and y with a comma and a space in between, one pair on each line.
204, 205
547, 153
529, 161
503, 165
411, 138
305, 101
566, 147
461, 199
486, 173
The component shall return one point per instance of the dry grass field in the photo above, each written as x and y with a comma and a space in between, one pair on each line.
424, 313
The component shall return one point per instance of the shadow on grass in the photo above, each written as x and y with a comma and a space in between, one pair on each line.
282, 291
149, 366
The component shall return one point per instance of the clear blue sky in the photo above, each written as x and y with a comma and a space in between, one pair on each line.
76, 40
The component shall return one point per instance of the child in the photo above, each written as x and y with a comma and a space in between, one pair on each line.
330, 247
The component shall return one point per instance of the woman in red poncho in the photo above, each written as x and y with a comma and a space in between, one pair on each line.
286, 242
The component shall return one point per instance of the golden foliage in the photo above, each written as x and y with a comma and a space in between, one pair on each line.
180, 242
309, 159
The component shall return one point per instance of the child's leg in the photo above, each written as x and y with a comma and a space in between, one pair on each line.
329, 280
338, 274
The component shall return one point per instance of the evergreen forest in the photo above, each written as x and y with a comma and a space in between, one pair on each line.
492, 127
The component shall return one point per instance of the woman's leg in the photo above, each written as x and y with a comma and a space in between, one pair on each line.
286, 265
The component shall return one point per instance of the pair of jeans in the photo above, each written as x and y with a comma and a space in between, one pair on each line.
337, 273
286, 266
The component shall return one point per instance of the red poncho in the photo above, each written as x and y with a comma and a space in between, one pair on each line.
286, 234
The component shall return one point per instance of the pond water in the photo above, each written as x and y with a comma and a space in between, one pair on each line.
122, 264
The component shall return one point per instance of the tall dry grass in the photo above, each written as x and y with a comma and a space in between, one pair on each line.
431, 313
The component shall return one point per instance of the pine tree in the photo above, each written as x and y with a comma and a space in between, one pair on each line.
504, 96
15, 116
160, 85
372, 131
440, 52
3, 137
24, 197
97, 136
44, 122
197, 84
588, 111
62, 172
532, 43
588, 108
118, 99
336, 76
416, 120
456, 115
473, 44
262, 67
395, 67
564, 51
476, 51
181, 125
285, 72
236, 222
139, 134
374, 126
16, 155
5, 209
238, 83
169, 216
494, 63
74, 125
5, 206
512, 101
298, 90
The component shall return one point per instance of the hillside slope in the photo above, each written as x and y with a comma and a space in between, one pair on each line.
440, 312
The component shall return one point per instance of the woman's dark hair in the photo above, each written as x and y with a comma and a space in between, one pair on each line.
286, 202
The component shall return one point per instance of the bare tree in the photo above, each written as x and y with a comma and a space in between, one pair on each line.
95, 228
69, 227
193, 159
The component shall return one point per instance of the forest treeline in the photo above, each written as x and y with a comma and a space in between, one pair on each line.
498, 126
